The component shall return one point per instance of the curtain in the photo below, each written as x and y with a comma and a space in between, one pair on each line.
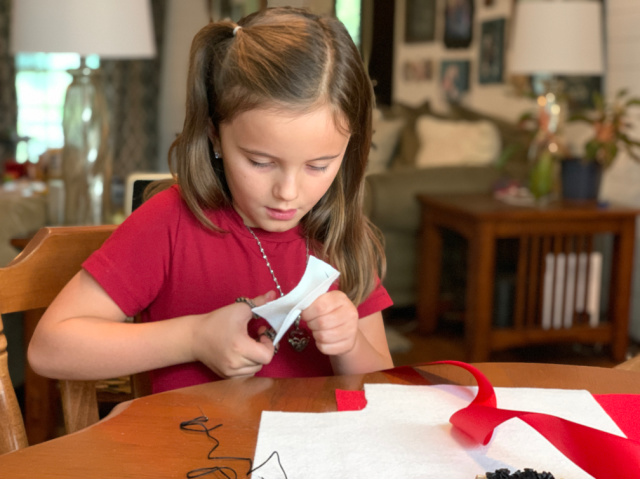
8, 101
132, 89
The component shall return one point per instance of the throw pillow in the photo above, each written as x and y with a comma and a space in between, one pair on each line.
386, 133
456, 143
408, 145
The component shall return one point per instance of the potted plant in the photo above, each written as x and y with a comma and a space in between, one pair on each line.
543, 147
610, 122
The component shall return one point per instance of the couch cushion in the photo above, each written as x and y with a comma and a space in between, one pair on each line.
456, 142
390, 198
510, 134
408, 146
386, 134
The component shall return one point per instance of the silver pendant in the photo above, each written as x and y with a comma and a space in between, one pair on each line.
298, 338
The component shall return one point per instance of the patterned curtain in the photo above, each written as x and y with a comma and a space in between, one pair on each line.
132, 89
8, 102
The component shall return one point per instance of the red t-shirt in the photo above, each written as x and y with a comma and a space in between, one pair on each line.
164, 263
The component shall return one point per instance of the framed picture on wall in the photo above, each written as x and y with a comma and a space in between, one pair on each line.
454, 79
420, 21
418, 70
491, 61
458, 23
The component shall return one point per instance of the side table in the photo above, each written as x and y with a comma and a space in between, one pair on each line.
558, 227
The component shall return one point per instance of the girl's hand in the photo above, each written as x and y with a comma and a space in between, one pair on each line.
221, 342
333, 320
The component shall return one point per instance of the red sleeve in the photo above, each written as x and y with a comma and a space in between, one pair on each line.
134, 261
377, 301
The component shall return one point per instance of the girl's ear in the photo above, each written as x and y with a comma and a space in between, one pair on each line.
214, 138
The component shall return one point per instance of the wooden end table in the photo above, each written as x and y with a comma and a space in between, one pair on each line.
558, 227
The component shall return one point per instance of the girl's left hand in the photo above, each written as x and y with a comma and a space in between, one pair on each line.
333, 320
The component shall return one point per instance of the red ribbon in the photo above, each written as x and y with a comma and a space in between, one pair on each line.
601, 454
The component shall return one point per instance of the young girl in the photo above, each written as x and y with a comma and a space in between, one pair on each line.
269, 168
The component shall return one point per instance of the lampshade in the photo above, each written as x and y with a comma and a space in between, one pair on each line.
557, 37
110, 28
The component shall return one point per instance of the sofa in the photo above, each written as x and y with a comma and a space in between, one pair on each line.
463, 155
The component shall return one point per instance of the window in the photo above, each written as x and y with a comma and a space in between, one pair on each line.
41, 83
349, 12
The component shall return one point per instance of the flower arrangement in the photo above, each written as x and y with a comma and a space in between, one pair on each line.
611, 124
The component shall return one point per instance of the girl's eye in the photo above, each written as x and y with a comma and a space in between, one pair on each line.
317, 168
259, 164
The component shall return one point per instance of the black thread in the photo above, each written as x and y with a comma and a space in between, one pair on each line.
198, 425
267, 461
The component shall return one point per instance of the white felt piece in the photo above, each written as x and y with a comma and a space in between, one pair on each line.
282, 312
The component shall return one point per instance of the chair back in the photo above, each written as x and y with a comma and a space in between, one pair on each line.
29, 284
12, 434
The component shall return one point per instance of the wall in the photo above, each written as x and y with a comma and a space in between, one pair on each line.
622, 181
497, 99
184, 18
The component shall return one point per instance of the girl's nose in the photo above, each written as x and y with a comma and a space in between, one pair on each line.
286, 187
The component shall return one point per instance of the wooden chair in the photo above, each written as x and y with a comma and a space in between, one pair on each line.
29, 284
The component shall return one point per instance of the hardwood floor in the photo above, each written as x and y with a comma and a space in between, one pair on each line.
447, 343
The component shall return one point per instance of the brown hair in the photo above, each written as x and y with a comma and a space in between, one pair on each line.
285, 58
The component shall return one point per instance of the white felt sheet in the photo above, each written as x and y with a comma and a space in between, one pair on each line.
404, 432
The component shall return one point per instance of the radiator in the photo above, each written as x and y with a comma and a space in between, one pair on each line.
571, 289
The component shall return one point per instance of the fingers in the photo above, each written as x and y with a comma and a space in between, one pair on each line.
245, 357
266, 298
221, 340
333, 320
255, 302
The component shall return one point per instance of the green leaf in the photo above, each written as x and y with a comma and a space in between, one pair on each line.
630, 141
633, 154
580, 117
508, 153
622, 93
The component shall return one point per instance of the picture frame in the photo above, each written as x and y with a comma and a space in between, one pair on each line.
418, 70
458, 23
420, 21
454, 79
491, 61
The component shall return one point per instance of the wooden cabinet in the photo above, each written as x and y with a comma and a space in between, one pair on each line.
558, 230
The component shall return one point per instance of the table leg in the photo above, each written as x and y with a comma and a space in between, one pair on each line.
620, 289
479, 296
429, 272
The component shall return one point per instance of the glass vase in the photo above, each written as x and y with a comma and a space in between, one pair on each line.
543, 171
86, 160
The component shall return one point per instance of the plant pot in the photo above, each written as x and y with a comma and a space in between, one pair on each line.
580, 179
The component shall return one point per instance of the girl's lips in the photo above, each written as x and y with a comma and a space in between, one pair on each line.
281, 214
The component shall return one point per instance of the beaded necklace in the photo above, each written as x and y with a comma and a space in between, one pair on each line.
298, 338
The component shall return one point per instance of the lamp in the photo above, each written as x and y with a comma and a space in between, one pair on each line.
557, 37
552, 38
115, 29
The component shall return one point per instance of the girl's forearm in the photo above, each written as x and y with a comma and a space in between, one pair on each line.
90, 348
362, 358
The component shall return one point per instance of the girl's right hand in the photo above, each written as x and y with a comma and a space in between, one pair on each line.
221, 341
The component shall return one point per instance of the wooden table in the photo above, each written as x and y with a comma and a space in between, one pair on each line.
555, 228
145, 439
